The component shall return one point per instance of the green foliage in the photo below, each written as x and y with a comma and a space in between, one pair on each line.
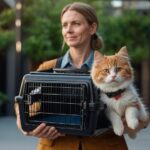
41, 30
130, 29
7, 18
41, 33
42, 37
7, 33
3, 98
6, 37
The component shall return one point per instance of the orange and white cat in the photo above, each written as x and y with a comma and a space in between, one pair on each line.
113, 75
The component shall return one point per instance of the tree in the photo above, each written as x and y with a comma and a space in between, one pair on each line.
41, 39
129, 29
41, 32
7, 33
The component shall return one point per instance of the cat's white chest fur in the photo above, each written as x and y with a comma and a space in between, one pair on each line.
127, 98
129, 106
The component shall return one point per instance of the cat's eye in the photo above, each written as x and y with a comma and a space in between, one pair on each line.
106, 70
117, 69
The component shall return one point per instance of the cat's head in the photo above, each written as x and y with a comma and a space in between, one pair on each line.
110, 73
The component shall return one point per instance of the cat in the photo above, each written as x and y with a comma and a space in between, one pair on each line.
114, 76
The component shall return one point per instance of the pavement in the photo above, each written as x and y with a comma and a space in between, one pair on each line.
12, 139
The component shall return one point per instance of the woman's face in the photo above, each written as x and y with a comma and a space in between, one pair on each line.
76, 30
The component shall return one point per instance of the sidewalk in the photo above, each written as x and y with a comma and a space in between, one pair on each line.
142, 141
12, 139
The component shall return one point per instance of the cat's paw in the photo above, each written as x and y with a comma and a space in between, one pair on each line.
132, 135
119, 129
133, 123
144, 118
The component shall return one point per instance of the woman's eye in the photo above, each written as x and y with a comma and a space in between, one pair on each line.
64, 25
76, 23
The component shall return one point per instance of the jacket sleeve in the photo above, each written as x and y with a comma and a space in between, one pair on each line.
47, 65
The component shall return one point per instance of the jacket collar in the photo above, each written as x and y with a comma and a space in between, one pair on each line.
66, 61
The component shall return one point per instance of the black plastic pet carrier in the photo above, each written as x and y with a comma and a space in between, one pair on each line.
67, 100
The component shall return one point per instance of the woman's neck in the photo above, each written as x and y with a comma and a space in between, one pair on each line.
78, 56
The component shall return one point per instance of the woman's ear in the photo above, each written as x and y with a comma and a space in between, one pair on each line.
93, 28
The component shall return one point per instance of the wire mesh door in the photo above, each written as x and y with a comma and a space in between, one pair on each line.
61, 104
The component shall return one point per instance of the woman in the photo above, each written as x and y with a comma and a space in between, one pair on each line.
79, 26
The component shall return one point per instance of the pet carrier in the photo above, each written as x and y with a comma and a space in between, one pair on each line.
67, 100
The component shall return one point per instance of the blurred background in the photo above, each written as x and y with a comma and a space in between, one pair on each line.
30, 32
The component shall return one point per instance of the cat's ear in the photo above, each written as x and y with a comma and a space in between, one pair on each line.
98, 57
123, 51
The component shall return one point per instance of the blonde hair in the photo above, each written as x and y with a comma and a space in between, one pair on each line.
90, 15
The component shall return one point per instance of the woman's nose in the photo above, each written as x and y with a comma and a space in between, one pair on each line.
69, 28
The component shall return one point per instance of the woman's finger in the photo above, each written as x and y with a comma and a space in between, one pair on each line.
43, 132
56, 136
38, 130
52, 131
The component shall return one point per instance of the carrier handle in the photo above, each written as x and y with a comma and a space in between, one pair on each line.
18, 99
73, 70
25, 127
62, 70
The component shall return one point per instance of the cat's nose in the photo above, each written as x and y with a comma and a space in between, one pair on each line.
113, 77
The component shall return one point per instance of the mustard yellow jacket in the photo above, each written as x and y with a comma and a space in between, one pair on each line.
105, 141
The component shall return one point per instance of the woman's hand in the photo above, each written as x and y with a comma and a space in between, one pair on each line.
42, 131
